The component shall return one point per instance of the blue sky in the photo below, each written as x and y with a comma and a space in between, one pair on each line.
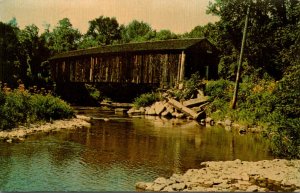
179, 16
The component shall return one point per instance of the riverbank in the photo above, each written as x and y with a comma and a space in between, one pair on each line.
21, 132
228, 176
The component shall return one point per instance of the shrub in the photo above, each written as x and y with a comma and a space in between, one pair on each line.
146, 99
221, 89
50, 108
94, 92
17, 108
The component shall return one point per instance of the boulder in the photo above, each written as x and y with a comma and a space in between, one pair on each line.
168, 189
179, 186
159, 107
160, 180
151, 111
141, 185
242, 130
166, 113
210, 121
158, 187
228, 122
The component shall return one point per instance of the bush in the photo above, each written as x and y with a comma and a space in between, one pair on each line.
94, 92
50, 108
221, 89
285, 117
17, 108
146, 99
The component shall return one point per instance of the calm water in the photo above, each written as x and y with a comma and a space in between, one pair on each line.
114, 155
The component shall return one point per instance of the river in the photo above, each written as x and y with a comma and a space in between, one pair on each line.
113, 155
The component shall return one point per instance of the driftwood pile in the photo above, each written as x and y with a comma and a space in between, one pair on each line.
169, 107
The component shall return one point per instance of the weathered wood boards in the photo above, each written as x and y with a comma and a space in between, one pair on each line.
183, 108
166, 63
195, 102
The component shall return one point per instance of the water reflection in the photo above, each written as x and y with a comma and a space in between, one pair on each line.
113, 155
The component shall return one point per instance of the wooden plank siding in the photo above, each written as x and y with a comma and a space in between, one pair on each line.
163, 62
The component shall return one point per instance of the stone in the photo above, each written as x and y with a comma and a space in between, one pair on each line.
217, 181
149, 187
160, 180
177, 178
151, 111
210, 121
166, 113
159, 107
245, 177
179, 186
228, 122
208, 183
242, 130
252, 188
141, 185
167, 189
142, 110
158, 187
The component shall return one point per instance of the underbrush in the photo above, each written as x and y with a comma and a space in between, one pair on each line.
273, 105
146, 99
20, 108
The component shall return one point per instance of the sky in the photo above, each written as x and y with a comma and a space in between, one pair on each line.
179, 16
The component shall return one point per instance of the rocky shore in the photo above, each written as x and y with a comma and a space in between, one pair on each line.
232, 176
20, 133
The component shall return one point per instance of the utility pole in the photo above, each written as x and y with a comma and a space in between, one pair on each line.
234, 99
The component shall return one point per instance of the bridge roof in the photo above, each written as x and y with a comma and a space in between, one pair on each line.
177, 44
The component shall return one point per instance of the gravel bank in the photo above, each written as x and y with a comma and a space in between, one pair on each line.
20, 133
225, 176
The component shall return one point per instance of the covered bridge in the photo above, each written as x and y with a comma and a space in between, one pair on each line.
153, 64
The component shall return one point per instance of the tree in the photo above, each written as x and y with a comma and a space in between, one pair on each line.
34, 52
9, 49
137, 31
102, 31
165, 35
272, 27
63, 37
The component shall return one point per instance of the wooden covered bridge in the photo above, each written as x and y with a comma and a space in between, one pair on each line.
136, 65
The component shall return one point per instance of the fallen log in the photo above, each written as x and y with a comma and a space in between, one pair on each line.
177, 105
195, 102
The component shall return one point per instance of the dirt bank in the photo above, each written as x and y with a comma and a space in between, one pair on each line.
228, 176
20, 133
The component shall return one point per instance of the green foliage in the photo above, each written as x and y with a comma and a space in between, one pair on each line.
221, 89
272, 31
18, 108
64, 37
165, 35
285, 139
50, 108
103, 31
275, 105
137, 31
146, 99
9, 49
94, 92
15, 109
285, 116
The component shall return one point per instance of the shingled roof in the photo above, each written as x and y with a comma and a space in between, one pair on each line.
177, 44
